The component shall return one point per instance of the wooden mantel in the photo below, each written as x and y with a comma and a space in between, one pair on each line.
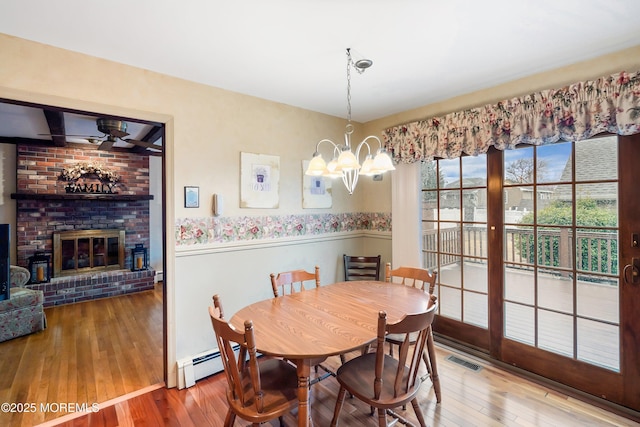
116, 197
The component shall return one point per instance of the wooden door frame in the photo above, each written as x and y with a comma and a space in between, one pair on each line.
629, 204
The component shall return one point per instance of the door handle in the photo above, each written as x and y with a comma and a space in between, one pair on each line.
635, 271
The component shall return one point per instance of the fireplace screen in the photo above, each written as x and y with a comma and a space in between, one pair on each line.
81, 251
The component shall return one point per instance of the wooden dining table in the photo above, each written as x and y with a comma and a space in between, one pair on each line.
325, 321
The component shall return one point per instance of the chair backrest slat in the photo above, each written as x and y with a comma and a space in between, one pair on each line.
361, 267
411, 276
289, 282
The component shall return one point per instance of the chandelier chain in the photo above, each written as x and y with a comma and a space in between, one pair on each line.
349, 85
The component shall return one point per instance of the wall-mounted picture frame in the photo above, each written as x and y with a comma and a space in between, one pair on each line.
316, 190
191, 197
259, 181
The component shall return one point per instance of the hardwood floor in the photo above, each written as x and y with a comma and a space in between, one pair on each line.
90, 353
490, 397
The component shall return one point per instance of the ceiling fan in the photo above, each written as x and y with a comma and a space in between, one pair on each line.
113, 130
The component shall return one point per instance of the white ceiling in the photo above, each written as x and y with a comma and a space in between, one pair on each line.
293, 51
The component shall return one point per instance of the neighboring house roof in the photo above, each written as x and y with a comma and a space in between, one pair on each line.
598, 161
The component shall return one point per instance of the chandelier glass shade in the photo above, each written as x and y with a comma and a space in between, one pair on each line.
345, 163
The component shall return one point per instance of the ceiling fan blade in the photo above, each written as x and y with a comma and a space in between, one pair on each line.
106, 145
118, 133
144, 144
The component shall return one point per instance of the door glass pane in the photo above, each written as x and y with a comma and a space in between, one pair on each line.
555, 292
476, 309
597, 250
113, 248
554, 248
519, 284
449, 173
597, 159
449, 240
68, 249
449, 205
98, 252
518, 166
518, 204
597, 298
553, 163
474, 171
450, 272
519, 323
474, 205
519, 245
599, 343
450, 302
475, 275
597, 204
554, 205
83, 252
475, 240
555, 332
429, 175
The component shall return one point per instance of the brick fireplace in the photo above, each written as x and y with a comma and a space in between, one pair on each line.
47, 205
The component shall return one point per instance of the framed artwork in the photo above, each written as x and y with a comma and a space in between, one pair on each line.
259, 181
191, 197
316, 190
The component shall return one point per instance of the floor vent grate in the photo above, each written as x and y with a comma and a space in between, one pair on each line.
465, 363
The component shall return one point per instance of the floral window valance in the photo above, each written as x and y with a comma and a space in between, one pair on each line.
576, 112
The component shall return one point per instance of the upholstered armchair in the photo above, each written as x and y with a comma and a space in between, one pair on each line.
23, 312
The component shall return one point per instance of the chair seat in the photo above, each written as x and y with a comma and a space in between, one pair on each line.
356, 374
279, 385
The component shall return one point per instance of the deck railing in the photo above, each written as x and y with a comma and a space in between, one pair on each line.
595, 251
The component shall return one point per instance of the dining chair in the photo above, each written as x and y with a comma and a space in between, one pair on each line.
289, 282
258, 391
421, 279
361, 267
381, 381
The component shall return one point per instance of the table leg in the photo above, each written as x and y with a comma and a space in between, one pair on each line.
303, 368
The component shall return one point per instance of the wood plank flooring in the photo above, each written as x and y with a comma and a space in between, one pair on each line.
490, 397
89, 353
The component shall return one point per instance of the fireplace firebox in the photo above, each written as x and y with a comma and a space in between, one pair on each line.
83, 251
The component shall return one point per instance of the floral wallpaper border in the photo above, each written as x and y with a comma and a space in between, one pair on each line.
211, 230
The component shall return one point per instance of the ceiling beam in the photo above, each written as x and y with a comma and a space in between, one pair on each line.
156, 133
55, 120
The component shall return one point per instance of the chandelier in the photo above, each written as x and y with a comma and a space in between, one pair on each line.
345, 162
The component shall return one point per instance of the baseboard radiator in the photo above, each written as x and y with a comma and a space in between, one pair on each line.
194, 368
